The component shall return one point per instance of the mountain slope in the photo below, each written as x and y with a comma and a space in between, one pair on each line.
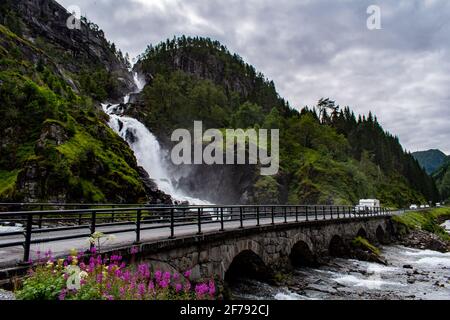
327, 155
55, 144
442, 177
430, 160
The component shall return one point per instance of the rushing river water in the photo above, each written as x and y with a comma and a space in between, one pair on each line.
410, 274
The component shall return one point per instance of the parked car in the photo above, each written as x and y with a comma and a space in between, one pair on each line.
413, 207
422, 206
438, 205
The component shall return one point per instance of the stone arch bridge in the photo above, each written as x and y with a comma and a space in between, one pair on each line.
212, 241
271, 247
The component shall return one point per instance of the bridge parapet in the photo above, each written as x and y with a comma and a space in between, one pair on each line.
206, 239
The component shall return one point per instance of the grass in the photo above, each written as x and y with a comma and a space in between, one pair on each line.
426, 220
360, 242
7, 182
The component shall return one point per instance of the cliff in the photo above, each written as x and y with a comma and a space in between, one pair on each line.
55, 144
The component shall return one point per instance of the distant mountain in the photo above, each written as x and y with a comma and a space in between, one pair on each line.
430, 160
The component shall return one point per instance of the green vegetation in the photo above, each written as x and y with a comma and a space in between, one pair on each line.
426, 220
442, 177
364, 244
327, 155
55, 143
88, 276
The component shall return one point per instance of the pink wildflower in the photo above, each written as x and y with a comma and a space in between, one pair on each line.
188, 273
212, 288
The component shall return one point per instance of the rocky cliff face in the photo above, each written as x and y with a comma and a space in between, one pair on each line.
44, 23
54, 142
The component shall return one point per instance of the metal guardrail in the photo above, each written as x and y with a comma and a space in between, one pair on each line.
123, 219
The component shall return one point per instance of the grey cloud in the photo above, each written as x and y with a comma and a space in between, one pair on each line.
314, 49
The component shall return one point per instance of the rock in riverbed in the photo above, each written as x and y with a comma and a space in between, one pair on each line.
6, 295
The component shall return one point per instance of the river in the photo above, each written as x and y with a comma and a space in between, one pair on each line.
411, 274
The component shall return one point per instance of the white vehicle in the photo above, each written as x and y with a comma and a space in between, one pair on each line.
427, 206
438, 205
422, 206
368, 204
413, 207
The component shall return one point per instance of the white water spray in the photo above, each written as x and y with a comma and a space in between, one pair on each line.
146, 148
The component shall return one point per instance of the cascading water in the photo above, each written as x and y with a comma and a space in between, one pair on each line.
146, 148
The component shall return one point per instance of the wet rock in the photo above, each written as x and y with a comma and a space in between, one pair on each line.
6, 295
422, 239
155, 196
52, 134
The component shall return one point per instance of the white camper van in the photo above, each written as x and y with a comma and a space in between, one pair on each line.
368, 204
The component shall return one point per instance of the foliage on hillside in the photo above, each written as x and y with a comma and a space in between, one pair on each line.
442, 177
327, 155
55, 145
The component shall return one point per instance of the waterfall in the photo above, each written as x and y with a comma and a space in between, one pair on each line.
146, 148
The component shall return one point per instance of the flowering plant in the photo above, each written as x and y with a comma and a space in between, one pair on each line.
96, 277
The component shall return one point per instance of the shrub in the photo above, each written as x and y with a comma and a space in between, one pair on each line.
96, 277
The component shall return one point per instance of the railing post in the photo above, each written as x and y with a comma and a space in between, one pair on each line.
41, 208
338, 214
221, 219
331, 212
296, 214
199, 221
285, 215
306, 211
315, 213
241, 218
27, 243
273, 215
92, 227
172, 224
324, 213
113, 213
257, 216
138, 226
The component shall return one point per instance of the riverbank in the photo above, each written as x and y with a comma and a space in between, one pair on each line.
411, 274
423, 229
415, 266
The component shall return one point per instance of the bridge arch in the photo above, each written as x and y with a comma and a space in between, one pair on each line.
362, 233
246, 264
381, 235
301, 255
336, 247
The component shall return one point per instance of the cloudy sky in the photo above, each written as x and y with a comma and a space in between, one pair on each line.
314, 49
